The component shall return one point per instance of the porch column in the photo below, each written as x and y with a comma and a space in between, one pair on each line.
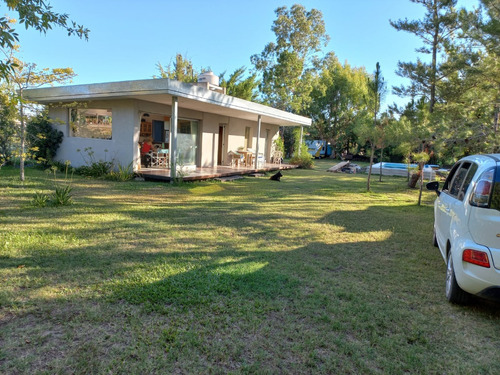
173, 135
259, 123
300, 145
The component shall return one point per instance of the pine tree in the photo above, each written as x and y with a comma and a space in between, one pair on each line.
435, 30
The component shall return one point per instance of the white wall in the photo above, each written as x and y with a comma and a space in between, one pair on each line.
119, 147
236, 137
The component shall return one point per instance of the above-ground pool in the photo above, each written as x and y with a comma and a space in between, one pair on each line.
401, 169
402, 166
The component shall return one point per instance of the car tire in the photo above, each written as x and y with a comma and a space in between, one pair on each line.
434, 239
454, 293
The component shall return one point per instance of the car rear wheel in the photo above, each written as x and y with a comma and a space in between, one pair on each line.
454, 293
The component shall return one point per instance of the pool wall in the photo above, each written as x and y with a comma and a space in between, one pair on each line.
399, 169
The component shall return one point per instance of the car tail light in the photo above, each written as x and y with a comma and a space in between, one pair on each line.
479, 258
482, 190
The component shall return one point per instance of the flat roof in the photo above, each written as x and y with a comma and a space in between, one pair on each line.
161, 91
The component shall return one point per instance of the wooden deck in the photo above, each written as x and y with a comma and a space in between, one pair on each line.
163, 174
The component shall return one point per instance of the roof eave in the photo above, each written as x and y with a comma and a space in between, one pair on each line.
144, 88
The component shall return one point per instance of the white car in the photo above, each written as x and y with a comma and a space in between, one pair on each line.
467, 227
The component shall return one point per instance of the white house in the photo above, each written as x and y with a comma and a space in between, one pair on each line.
199, 126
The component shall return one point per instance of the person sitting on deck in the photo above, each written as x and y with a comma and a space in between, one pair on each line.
146, 148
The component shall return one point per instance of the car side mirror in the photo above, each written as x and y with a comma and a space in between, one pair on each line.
434, 186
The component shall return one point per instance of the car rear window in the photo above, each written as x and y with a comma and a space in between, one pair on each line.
495, 194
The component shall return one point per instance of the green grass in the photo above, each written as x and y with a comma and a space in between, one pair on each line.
307, 275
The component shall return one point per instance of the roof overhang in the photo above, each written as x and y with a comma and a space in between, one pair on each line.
161, 91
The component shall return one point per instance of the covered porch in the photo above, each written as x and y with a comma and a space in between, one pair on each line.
207, 173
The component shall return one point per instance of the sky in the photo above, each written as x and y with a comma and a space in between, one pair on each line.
129, 37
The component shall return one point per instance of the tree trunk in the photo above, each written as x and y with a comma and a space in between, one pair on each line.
495, 123
412, 183
421, 167
495, 120
381, 159
434, 57
370, 168
496, 147
23, 140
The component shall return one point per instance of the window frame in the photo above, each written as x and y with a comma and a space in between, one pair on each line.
74, 121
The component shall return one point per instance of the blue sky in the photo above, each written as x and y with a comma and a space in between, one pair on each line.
128, 37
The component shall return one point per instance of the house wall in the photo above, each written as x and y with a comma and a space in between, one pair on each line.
124, 149
210, 138
119, 147
236, 136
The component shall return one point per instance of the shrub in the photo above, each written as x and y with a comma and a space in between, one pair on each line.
62, 167
39, 199
122, 174
279, 144
62, 196
43, 139
62, 193
304, 161
299, 148
93, 168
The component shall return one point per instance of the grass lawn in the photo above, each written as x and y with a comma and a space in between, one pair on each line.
307, 275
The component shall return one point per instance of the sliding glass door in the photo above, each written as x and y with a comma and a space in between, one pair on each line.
187, 142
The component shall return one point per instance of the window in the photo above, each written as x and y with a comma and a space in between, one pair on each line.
248, 137
187, 141
158, 131
90, 123
459, 180
447, 183
468, 179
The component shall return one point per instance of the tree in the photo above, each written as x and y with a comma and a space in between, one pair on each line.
490, 39
7, 126
284, 65
239, 87
490, 28
24, 75
415, 137
35, 14
376, 89
435, 31
180, 70
384, 136
338, 96
470, 110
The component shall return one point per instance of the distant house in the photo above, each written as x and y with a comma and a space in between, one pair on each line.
198, 125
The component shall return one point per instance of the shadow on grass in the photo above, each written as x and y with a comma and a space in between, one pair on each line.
144, 271
248, 277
